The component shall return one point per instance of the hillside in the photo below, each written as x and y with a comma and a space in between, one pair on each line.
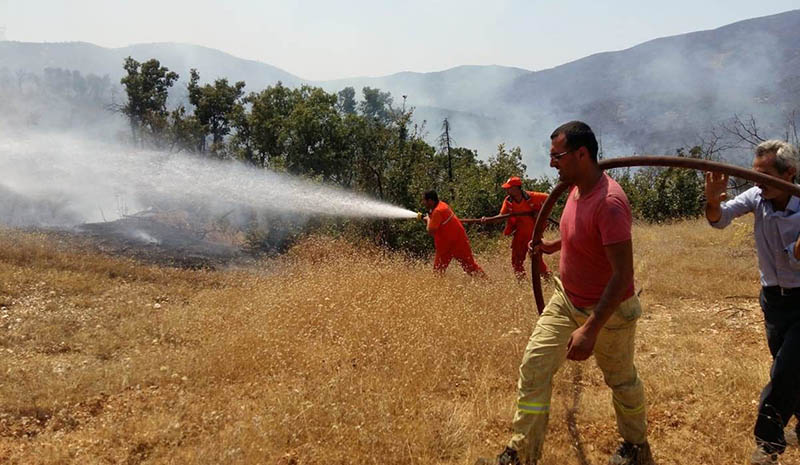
467, 96
666, 91
89, 58
446, 89
305, 360
473, 89
654, 97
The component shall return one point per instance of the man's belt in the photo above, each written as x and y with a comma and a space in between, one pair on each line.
783, 291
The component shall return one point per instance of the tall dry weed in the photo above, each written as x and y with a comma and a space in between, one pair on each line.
338, 353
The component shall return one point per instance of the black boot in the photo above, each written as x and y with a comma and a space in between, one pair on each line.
632, 454
507, 457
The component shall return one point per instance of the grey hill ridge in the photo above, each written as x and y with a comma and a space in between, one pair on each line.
654, 96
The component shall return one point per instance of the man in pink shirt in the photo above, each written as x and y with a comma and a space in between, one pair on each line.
593, 310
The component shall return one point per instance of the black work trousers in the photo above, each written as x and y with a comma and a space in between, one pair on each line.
780, 398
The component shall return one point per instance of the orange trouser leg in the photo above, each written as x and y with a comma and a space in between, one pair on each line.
518, 255
519, 252
464, 256
442, 260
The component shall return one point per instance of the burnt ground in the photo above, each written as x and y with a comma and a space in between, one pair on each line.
152, 241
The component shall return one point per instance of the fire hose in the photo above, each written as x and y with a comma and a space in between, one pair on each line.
645, 160
492, 219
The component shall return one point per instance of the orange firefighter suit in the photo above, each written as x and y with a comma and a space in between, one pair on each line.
450, 240
522, 227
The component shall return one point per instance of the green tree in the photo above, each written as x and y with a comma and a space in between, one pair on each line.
367, 146
98, 87
376, 105
347, 101
445, 145
79, 85
663, 194
267, 125
505, 164
478, 186
183, 130
147, 87
312, 133
240, 144
214, 106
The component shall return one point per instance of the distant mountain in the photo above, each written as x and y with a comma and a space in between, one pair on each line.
465, 94
464, 88
654, 97
662, 93
468, 96
89, 58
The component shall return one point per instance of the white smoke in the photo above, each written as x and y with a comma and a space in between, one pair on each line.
64, 180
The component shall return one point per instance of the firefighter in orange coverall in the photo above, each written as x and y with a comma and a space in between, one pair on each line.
449, 236
520, 201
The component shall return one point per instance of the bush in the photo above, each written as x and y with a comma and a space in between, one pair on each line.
661, 194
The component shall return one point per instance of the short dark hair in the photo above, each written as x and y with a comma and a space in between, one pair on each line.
431, 195
578, 135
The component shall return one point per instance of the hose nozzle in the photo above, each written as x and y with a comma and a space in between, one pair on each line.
419, 215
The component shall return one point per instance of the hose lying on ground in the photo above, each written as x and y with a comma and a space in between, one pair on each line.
645, 160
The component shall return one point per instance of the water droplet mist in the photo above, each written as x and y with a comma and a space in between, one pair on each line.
64, 180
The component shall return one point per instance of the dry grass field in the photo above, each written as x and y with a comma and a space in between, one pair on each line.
335, 354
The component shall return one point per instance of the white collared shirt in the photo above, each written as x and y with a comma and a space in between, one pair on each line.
775, 233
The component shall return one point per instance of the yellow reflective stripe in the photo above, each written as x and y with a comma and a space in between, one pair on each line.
629, 411
535, 408
534, 404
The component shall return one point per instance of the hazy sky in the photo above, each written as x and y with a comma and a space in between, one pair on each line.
327, 39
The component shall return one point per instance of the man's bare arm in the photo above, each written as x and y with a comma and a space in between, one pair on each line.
545, 247
620, 256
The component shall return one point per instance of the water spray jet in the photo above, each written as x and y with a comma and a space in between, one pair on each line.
88, 178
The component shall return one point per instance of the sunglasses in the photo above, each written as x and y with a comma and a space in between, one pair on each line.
557, 156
